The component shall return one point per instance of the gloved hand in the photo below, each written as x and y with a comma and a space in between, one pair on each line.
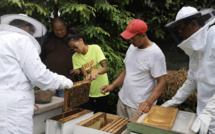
169, 103
182, 94
201, 124
65, 82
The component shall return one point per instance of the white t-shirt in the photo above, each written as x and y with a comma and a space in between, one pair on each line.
142, 67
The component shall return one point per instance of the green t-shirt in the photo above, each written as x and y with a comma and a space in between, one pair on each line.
90, 61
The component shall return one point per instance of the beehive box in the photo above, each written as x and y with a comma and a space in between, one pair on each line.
101, 123
64, 123
182, 125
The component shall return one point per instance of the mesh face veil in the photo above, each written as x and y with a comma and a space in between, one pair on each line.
204, 16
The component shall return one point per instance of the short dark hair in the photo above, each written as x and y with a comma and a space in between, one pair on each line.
21, 23
58, 19
74, 35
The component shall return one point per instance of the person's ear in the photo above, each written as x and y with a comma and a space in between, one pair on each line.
26, 28
81, 40
143, 34
194, 23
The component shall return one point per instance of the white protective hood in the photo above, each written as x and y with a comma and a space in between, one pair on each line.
197, 41
40, 29
5, 27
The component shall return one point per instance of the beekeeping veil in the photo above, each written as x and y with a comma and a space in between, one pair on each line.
189, 13
40, 29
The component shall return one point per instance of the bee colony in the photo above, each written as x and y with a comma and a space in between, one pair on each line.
64, 123
79, 94
101, 123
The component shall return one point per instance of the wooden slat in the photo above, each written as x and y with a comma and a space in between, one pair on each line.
92, 119
119, 125
109, 125
113, 124
71, 117
66, 93
136, 118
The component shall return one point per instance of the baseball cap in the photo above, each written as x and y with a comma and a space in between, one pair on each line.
134, 27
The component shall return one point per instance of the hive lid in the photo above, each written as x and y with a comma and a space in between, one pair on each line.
162, 117
77, 95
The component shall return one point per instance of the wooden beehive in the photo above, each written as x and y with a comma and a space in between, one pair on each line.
64, 123
102, 123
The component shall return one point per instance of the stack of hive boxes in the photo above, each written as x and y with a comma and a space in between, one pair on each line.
81, 121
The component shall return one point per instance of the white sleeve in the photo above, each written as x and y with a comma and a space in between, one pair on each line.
36, 71
130, 48
158, 67
182, 94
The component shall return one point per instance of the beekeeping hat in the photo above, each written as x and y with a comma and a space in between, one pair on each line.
40, 29
189, 13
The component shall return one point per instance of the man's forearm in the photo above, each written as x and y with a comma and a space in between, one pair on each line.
158, 90
119, 81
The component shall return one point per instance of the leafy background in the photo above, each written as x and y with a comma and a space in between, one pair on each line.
102, 21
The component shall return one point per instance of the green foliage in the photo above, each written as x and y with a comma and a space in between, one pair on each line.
19, 3
82, 10
100, 21
158, 13
41, 9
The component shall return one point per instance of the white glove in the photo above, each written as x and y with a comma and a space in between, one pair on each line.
202, 122
65, 82
182, 94
169, 103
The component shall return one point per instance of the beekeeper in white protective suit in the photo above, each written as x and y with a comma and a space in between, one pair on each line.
194, 28
21, 69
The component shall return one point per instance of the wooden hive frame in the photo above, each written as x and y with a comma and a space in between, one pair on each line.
162, 117
77, 95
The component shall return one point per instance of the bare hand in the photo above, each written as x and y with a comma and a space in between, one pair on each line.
88, 77
144, 107
106, 88
75, 71
94, 75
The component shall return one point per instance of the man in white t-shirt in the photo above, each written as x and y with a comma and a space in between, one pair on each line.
144, 78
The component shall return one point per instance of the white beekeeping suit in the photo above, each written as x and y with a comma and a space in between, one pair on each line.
200, 47
21, 69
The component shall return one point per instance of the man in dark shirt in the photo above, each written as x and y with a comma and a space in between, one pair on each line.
55, 54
